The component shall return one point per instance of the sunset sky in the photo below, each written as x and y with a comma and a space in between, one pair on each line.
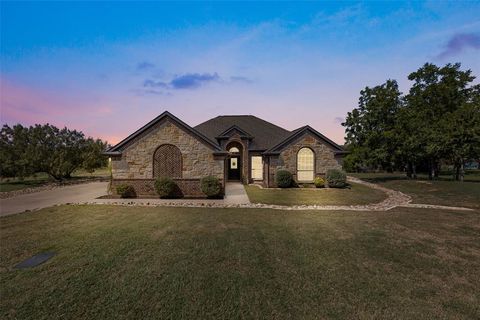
108, 68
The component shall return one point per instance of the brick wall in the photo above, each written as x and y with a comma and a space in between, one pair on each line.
145, 187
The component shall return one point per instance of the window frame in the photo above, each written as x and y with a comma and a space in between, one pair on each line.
312, 170
252, 169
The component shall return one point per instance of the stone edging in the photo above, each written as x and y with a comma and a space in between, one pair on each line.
394, 199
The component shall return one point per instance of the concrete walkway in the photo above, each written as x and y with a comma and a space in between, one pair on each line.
70, 194
89, 192
235, 193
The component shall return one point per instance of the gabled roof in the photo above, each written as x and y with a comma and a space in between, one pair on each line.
265, 134
119, 147
226, 133
298, 133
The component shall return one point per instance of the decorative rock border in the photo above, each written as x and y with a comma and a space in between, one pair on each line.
394, 199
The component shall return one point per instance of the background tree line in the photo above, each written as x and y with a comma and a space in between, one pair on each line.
46, 148
437, 122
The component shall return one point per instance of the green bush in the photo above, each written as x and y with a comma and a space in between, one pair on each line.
336, 178
284, 179
126, 191
319, 182
211, 186
166, 188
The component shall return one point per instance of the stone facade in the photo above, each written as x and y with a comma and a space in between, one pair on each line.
204, 152
287, 159
136, 161
135, 166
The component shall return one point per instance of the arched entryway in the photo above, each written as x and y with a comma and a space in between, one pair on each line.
234, 161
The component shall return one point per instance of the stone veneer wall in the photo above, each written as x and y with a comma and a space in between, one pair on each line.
136, 163
324, 158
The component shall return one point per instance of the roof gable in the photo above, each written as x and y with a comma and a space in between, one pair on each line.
263, 133
119, 147
232, 131
298, 133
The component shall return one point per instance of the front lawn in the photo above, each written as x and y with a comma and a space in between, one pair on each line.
196, 263
441, 192
356, 195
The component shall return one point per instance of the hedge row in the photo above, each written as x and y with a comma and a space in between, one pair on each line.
334, 178
167, 188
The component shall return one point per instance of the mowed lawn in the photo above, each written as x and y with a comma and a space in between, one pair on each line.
197, 263
357, 194
441, 192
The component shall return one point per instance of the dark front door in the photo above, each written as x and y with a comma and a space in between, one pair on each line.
234, 168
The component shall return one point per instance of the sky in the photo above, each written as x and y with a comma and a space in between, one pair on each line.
107, 68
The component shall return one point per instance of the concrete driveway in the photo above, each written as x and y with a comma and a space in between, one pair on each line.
42, 199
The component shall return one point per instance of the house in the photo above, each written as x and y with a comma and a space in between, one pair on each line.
232, 148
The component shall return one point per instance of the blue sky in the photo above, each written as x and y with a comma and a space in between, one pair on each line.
107, 68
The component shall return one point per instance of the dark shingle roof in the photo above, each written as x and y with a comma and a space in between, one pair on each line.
265, 134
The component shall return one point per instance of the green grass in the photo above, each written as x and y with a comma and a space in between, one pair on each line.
40, 179
356, 195
441, 192
197, 263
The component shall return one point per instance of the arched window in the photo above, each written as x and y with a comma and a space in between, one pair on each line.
167, 162
234, 150
305, 165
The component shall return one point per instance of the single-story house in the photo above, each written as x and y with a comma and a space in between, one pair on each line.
232, 148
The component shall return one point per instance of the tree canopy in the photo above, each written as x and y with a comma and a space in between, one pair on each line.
46, 148
437, 121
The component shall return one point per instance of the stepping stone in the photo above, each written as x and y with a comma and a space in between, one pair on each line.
35, 260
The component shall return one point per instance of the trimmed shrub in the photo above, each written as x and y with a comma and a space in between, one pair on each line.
126, 191
284, 179
211, 186
166, 188
336, 178
319, 182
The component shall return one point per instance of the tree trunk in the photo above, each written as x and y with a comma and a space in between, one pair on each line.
462, 171
414, 170
431, 170
409, 170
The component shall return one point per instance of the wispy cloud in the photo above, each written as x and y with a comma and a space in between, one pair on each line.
240, 79
188, 81
458, 43
144, 66
193, 80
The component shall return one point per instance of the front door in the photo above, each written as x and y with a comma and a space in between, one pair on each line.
234, 168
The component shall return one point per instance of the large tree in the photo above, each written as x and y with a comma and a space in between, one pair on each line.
435, 99
438, 120
46, 148
370, 128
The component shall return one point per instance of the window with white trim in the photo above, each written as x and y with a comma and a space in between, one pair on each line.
234, 150
305, 165
257, 168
